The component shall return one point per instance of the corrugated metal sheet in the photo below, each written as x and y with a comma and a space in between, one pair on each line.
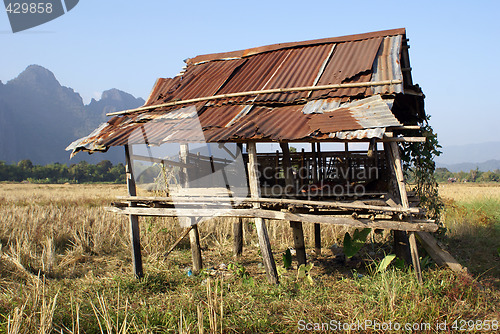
253, 75
274, 117
387, 65
351, 62
163, 87
299, 69
204, 79
372, 112
320, 106
275, 124
274, 47
358, 134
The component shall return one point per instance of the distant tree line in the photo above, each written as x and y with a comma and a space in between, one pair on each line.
82, 172
474, 175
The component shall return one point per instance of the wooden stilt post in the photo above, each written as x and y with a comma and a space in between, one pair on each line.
401, 242
133, 219
297, 230
398, 169
287, 169
238, 224
316, 178
194, 237
238, 237
317, 239
265, 245
298, 242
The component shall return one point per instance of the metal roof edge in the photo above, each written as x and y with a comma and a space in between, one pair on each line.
274, 47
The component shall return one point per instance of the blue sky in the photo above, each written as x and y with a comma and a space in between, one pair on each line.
455, 49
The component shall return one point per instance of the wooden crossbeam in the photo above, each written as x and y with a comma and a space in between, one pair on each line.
285, 201
278, 215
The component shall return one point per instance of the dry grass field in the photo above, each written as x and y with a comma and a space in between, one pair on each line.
65, 267
469, 192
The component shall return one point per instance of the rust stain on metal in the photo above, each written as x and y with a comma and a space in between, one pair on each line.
274, 47
275, 117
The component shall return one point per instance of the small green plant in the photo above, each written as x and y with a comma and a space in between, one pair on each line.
287, 259
386, 261
240, 272
304, 272
353, 244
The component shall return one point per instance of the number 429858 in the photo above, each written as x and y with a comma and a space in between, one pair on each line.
32, 8
478, 325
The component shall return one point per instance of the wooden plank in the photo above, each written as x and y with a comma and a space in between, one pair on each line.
279, 215
405, 140
298, 241
318, 204
135, 234
157, 160
265, 245
438, 254
238, 237
405, 127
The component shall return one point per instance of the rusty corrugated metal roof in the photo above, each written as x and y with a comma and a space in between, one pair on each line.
351, 62
274, 117
274, 47
387, 65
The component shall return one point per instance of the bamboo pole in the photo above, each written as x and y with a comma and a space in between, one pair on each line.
258, 92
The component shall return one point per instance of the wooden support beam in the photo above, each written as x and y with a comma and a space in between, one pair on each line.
265, 245
320, 177
287, 168
438, 254
179, 239
298, 241
161, 161
402, 246
194, 237
317, 239
318, 204
398, 169
405, 140
238, 237
280, 215
298, 233
135, 235
414, 256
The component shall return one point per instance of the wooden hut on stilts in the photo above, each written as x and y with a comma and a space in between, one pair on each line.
205, 138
